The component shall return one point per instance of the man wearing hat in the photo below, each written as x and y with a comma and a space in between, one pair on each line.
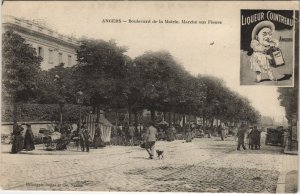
241, 136
84, 138
261, 43
150, 139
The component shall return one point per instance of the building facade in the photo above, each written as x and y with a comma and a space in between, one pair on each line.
53, 47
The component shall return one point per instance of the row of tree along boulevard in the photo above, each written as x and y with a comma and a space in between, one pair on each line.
105, 78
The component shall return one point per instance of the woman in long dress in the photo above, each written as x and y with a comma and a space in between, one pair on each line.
29, 139
17, 139
97, 136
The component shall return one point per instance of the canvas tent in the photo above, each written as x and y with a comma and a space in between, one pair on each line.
105, 126
105, 129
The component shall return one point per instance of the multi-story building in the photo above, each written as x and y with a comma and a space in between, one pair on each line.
53, 47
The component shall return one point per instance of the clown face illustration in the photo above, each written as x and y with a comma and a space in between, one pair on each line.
262, 42
264, 37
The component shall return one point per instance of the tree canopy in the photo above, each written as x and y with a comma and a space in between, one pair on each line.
111, 80
20, 68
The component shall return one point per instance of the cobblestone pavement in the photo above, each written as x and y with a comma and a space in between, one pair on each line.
204, 165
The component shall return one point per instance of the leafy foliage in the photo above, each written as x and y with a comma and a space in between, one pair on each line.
44, 112
101, 67
110, 80
20, 68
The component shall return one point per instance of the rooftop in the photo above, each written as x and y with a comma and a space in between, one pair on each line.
38, 26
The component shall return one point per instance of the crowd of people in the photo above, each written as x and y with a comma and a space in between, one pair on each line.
253, 135
130, 135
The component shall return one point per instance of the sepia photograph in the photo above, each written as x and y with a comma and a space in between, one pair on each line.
154, 96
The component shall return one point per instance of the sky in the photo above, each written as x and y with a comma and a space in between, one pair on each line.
190, 44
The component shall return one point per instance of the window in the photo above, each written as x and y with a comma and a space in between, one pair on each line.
69, 60
50, 56
60, 60
40, 52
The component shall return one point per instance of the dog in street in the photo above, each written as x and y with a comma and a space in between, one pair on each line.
160, 154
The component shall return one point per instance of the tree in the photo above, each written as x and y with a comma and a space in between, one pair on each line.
288, 97
160, 77
20, 68
99, 73
56, 86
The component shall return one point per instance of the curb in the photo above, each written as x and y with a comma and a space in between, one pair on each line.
286, 151
280, 188
290, 152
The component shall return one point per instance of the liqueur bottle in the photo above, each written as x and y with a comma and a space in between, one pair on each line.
277, 57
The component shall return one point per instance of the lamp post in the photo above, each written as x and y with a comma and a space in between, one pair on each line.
79, 101
61, 100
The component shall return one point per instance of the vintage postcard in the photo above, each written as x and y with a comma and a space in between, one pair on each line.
154, 96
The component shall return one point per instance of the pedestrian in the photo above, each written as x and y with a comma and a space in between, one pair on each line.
221, 131
255, 136
150, 139
241, 137
120, 138
126, 134
249, 137
84, 138
97, 136
172, 132
208, 130
131, 132
17, 139
29, 139
75, 135
64, 140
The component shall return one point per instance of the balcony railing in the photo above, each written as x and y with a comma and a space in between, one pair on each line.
38, 28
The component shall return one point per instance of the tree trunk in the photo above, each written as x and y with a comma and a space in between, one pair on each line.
135, 119
15, 112
152, 115
129, 117
169, 118
174, 118
117, 118
61, 113
98, 114
164, 116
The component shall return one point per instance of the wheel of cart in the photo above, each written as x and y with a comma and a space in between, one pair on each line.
48, 143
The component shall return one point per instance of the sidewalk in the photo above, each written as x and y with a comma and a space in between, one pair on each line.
286, 151
287, 182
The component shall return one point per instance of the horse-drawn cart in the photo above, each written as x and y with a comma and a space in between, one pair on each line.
274, 136
54, 140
